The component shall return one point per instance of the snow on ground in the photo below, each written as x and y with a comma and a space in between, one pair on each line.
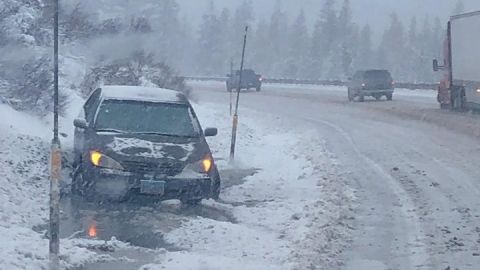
292, 214
24, 189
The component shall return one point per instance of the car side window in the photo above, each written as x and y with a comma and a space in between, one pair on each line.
91, 105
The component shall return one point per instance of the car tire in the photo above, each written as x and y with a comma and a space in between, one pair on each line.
350, 95
216, 187
259, 89
79, 187
389, 97
361, 98
378, 97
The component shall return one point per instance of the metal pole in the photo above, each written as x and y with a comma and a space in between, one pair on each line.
235, 116
231, 92
55, 159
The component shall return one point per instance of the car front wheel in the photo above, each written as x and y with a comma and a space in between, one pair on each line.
79, 187
216, 186
389, 97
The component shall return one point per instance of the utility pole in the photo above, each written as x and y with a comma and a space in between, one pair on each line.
55, 159
231, 92
235, 116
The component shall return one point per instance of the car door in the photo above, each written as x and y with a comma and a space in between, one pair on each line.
88, 114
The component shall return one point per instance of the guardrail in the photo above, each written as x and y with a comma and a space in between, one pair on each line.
413, 86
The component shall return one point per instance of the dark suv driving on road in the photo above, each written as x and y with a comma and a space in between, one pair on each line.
143, 141
249, 80
375, 83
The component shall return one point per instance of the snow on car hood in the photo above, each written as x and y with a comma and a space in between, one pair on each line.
148, 149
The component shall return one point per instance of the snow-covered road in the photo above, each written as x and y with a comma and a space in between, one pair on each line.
319, 183
414, 169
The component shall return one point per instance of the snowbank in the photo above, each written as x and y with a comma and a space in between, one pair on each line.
293, 213
24, 189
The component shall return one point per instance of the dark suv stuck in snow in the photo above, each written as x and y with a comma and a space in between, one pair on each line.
375, 83
142, 141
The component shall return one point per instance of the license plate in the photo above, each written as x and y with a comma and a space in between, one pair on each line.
152, 187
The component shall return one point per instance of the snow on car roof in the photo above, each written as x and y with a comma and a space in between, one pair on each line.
142, 93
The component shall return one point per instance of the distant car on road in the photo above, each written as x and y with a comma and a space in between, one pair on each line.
142, 141
374, 83
249, 80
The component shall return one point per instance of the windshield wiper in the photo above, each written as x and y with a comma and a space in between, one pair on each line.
110, 130
164, 134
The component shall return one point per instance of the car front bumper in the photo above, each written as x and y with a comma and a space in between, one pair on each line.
117, 184
370, 92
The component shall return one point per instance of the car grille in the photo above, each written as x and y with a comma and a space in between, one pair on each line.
169, 168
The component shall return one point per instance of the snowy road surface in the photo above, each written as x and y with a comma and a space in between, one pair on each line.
414, 169
320, 183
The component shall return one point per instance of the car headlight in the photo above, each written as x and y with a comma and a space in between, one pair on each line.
100, 160
202, 166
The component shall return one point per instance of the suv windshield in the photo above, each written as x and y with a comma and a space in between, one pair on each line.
377, 75
146, 117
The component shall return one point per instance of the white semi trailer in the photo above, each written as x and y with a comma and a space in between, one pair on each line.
460, 86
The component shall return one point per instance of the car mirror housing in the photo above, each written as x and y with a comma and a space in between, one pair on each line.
80, 123
211, 132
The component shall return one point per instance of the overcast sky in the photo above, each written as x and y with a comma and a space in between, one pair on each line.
375, 12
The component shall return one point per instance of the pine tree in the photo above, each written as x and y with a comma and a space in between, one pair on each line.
323, 39
392, 48
412, 51
364, 58
344, 49
210, 56
167, 30
278, 40
459, 8
426, 52
259, 51
298, 47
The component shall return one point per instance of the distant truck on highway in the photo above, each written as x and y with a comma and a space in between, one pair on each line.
459, 88
249, 80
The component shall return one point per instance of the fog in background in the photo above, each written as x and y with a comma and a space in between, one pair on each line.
135, 41
374, 12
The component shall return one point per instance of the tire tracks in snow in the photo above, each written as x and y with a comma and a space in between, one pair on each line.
415, 256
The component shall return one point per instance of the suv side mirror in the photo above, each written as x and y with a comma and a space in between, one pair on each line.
80, 123
210, 132
436, 67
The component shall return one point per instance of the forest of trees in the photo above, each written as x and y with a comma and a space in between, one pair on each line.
333, 48
109, 33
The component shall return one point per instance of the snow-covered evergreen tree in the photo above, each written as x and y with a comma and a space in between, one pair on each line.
298, 47
323, 39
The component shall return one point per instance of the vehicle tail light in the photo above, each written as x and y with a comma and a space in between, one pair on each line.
92, 231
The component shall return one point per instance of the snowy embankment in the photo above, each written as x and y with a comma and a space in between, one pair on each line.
24, 155
293, 213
